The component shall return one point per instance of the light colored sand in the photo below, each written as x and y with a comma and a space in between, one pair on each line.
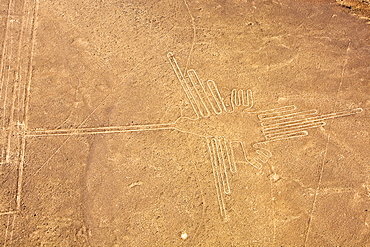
108, 138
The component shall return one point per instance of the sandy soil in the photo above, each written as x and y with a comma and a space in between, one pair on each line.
360, 8
184, 123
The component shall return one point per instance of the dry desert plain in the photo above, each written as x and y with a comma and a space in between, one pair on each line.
184, 123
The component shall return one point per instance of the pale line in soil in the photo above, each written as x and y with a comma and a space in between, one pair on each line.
194, 34
12, 110
12, 228
26, 17
11, 123
30, 74
79, 126
3, 55
8, 212
326, 149
26, 104
7, 230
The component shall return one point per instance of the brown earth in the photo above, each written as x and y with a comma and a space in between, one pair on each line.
360, 8
106, 142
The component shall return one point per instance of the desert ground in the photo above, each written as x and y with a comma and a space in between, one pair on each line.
185, 123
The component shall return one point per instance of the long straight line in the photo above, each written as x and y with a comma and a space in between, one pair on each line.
28, 87
313, 208
4, 47
25, 106
98, 130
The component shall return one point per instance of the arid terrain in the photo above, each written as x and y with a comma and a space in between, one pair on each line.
185, 123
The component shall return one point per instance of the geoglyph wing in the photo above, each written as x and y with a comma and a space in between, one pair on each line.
275, 125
